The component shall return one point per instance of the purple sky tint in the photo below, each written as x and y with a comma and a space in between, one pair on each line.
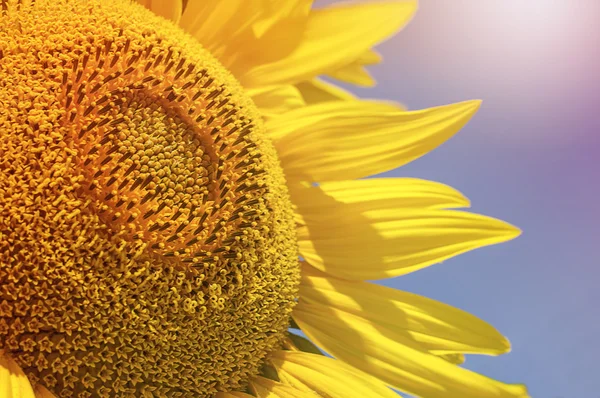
529, 157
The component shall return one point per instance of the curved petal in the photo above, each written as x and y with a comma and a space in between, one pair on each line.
294, 342
316, 91
277, 11
266, 388
435, 327
242, 33
13, 382
217, 23
345, 140
456, 359
395, 359
42, 392
395, 242
170, 10
326, 376
233, 394
275, 100
335, 199
333, 38
355, 72
275, 35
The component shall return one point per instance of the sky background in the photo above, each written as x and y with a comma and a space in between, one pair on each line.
530, 157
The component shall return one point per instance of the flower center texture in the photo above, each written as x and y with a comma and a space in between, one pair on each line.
147, 242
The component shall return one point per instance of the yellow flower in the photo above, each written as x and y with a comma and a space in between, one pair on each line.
177, 185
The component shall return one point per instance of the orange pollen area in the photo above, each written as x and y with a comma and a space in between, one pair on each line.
147, 243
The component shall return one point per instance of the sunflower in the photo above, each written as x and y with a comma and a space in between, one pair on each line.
179, 190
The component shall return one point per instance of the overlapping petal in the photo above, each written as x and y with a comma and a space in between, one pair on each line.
13, 382
344, 140
275, 100
375, 239
170, 10
233, 394
254, 37
456, 359
221, 26
326, 376
355, 72
334, 37
394, 358
316, 91
299, 343
377, 195
433, 326
266, 388
242, 33
42, 392
276, 34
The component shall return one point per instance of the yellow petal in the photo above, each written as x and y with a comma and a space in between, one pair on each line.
233, 394
275, 100
217, 23
456, 359
170, 10
42, 392
369, 57
299, 343
276, 11
266, 388
334, 37
243, 33
355, 73
13, 382
435, 327
276, 34
395, 242
394, 358
376, 195
345, 140
326, 376
316, 91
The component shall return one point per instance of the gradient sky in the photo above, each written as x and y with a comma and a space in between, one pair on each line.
529, 157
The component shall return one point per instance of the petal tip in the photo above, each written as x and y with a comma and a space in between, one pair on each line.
504, 231
507, 232
506, 346
512, 232
472, 106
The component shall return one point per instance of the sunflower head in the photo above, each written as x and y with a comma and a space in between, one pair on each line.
148, 245
147, 240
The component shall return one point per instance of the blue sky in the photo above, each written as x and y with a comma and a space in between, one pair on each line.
530, 156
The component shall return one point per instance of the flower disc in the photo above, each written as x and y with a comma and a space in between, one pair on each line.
147, 243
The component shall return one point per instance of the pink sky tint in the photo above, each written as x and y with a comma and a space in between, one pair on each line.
520, 57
